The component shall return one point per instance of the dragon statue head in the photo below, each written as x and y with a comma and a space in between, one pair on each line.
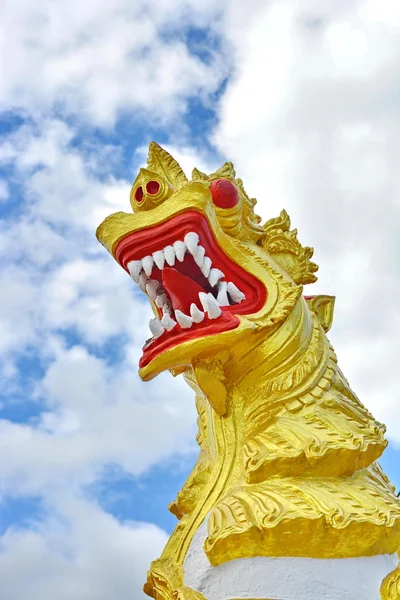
211, 271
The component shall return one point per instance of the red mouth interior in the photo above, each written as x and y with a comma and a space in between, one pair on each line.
184, 280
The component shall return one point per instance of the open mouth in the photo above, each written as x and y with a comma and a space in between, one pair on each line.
194, 287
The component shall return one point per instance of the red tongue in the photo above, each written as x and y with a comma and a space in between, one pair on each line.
181, 289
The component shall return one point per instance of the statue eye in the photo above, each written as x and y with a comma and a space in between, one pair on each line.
139, 194
152, 187
224, 193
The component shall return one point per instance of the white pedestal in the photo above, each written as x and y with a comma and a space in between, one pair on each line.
286, 578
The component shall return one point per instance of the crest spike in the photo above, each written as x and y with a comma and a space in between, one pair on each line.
161, 162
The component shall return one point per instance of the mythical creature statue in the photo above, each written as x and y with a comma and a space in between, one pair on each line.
287, 479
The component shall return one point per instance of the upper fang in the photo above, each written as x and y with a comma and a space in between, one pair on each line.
134, 268
180, 250
214, 276
191, 240
199, 256
206, 266
169, 254
159, 259
147, 263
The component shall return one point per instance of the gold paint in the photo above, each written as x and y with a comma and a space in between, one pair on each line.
390, 589
287, 463
323, 307
165, 582
335, 512
283, 244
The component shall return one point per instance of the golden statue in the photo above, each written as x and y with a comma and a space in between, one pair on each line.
288, 454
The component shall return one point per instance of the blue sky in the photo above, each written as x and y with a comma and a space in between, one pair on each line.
303, 97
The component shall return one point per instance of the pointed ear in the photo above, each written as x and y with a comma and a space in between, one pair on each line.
322, 306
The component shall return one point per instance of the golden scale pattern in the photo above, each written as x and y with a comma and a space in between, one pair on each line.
288, 454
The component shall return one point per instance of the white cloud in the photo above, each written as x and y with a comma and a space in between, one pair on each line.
4, 192
78, 552
100, 60
97, 414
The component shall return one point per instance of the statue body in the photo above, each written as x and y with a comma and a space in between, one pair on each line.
287, 500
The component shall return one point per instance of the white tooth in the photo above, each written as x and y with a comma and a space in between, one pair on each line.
161, 300
147, 263
206, 266
167, 309
143, 279
168, 322
191, 240
196, 314
169, 254
184, 321
222, 296
214, 276
134, 268
159, 259
203, 300
199, 256
236, 295
180, 249
152, 288
156, 327
213, 308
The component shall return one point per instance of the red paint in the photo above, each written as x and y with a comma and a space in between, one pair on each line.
152, 187
141, 243
182, 290
224, 193
139, 194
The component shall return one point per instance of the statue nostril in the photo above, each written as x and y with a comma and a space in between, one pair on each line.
139, 194
152, 187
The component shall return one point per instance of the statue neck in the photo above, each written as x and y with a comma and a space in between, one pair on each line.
267, 362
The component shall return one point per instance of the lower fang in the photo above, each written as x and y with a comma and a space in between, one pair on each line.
184, 321
196, 314
203, 300
213, 308
234, 292
156, 327
222, 296
168, 322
